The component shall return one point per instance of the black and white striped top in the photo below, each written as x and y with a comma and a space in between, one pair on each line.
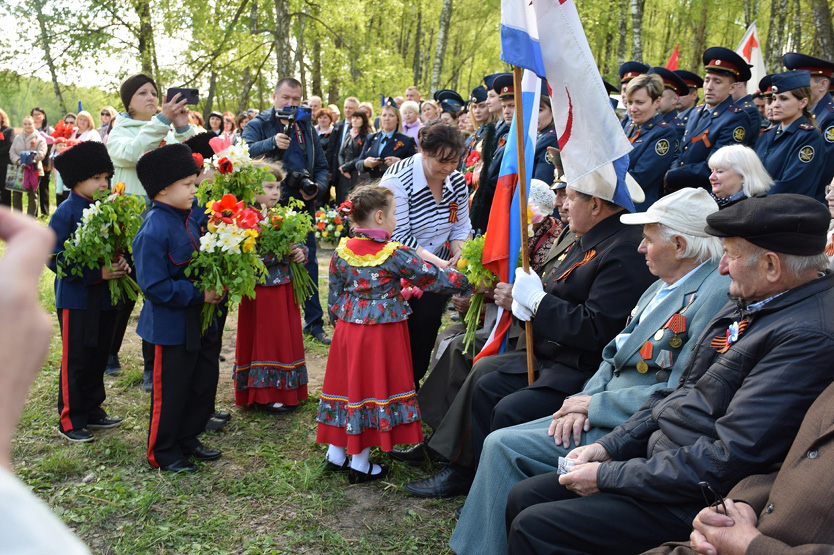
420, 220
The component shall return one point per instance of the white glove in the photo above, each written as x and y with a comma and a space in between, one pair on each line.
528, 289
521, 312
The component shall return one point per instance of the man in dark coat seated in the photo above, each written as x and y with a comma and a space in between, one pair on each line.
588, 297
756, 369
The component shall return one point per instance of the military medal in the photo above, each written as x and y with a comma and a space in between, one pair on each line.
664, 360
658, 335
645, 353
677, 324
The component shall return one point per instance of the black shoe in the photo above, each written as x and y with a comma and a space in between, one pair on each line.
283, 409
333, 467
104, 423
181, 465
215, 424
77, 436
219, 415
222, 358
147, 382
321, 337
357, 477
458, 510
113, 366
418, 454
446, 483
203, 453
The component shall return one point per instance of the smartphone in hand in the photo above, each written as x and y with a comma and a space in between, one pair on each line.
192, 96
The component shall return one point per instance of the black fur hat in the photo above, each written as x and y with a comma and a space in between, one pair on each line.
82, 162
165, 165
200, 144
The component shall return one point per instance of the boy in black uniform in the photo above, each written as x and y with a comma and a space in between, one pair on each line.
85, 314
185, 363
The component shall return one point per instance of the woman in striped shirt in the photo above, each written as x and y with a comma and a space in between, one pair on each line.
433, 218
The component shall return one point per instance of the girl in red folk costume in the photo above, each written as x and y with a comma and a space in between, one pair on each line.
368, 397
270, 367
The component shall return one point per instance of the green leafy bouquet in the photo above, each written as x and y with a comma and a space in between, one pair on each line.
471, 265
236, 175
106, 232
282, 228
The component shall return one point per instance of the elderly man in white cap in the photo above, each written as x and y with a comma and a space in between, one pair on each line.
589, 294
649, 354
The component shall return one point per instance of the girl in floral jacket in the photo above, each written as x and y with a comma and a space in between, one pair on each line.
368, 397
270, 365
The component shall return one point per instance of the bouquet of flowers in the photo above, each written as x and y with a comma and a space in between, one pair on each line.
330, 225
470, 166
471, 265
236, 174
282, 228
227, 260
106, 232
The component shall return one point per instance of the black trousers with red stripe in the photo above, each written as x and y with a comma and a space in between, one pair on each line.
182, 399
81, 382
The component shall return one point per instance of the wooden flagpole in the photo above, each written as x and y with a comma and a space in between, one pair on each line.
520, 133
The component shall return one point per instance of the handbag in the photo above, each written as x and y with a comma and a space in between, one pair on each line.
14, 178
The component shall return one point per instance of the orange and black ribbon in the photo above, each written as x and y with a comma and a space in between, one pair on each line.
722, 343
702, 137
453, 212
588, 256
634, 137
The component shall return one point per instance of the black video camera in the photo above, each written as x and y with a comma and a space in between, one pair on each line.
300, 181
294, 114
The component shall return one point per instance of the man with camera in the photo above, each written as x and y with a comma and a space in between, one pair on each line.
285, 133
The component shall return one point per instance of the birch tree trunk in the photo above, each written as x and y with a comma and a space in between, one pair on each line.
442, 37
144, 37
622, 28
416, 67
824, 30
637, 29
47, 53
283, 57
699, 39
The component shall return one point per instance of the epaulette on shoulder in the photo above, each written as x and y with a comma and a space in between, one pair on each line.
830, 106
662, 123
735, 108
807, 127
700, 106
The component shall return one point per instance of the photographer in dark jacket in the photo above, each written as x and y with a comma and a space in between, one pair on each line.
284, 133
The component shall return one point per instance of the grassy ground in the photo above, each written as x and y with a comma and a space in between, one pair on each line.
268, 493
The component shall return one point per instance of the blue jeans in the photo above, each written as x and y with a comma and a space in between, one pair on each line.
312, 307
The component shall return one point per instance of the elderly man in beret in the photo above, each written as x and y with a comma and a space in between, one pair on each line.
755, 370
648, 355
580, 304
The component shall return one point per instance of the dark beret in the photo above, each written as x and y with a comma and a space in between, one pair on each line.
783, 223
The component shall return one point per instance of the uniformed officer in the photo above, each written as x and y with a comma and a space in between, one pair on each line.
673, 89
471, 165
718, 123
450, 103
628, 71
765, 84
652, 138
821, 105
745, 102
494, 102
502, 85
686, 104
542, 165
793, 150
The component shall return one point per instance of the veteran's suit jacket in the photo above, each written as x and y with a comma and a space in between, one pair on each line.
585, 310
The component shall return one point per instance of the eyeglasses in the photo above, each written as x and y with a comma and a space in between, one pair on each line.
105, 114
717, 500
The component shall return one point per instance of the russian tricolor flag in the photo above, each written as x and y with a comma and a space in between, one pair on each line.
502, 244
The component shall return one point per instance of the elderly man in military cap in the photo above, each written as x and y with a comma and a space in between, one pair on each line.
718, 123
648, 355
755, 370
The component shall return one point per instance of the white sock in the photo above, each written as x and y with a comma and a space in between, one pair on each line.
336, 455
277, 405
362, 463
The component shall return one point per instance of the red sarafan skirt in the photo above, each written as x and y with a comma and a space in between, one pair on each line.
270, 366
368, 397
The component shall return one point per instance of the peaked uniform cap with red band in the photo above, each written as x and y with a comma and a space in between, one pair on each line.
726, 62
814, 66
671, 80
503, 85
631, 69
692, 80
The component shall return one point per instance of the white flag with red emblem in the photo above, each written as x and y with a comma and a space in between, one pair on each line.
750, 49
590, 135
